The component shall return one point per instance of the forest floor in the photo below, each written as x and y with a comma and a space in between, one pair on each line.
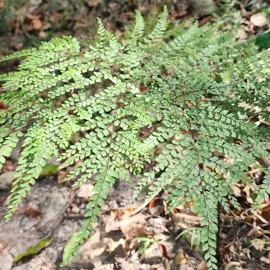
36, 235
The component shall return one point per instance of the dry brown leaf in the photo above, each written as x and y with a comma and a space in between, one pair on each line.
202, 266
184, 221
156, 207
249, 189
164, 251
36, 22
258, 243
135, 230
235, 265
92, 248
265, 259
236, 190
241, 34
61, 175
92, 3
180, 258
37, 25
259, 19
114, 225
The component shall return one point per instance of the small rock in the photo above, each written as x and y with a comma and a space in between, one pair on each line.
6, 180
53, 209
82, 206
113, 204
259, 19
75, 210
85, 191
6, 260
28, 223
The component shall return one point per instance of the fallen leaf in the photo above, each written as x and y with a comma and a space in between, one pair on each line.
35, 21
156, 207
259, 19
37, 25
134, 230
61, 176
258, 243
164, 252
236, 190
114, 225
265, 259
233, 265
89, 251
184, 221
180, 258
92, 3
43, 243
202, 266
241, 34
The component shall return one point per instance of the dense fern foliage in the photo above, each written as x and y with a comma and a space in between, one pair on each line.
201, 99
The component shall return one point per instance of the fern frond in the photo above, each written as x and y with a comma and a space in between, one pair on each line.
264, 191
138, 30
196, 113
18, 54
158, 32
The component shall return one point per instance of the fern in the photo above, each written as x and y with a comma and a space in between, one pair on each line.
203, 96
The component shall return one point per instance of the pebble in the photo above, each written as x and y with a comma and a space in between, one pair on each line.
75, 210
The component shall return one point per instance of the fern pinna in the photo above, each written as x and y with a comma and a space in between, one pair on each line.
204, 97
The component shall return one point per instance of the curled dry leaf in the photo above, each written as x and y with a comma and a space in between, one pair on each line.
180, 258
202, 266
184, 221
258, 243
135, 230
156, 207
36, 22
61, 175
113, 225
241, 34
164, 251
236, 190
